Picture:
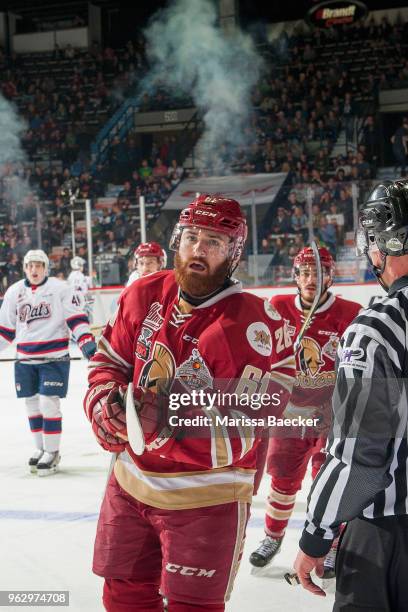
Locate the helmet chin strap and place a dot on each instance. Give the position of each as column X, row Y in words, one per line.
column 379, row 271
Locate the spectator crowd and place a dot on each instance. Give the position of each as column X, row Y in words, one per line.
column 317, row 86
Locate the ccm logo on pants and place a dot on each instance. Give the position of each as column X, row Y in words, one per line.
column 189, row 571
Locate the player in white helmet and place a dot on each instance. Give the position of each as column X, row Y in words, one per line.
column 80, row 282
column 39, row 312
column 77, row 277
column 149, row 257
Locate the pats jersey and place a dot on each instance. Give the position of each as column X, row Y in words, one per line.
column 40, row 318
column 79, row 281
column 315, row 358
column 156, row 339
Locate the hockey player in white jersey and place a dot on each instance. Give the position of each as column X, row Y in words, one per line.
column 149, row 257
column 39, row 312
column 80, row 282
column 77, row 279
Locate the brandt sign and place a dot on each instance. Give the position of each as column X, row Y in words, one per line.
column 336, row 12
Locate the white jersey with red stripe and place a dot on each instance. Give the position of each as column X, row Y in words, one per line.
column 227, row 343
column 40, row 318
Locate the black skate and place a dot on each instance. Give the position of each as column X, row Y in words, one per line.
column 48, row 463
column 266, row 552
column 34, row 459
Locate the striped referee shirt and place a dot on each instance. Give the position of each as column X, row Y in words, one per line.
column 365, row 472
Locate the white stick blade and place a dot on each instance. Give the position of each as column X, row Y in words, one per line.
column 134, row 428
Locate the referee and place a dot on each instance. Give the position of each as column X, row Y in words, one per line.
column 364, row 481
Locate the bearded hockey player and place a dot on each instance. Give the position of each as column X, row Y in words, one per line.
column 173, row 519
column 149, row 257
column 39, row 312
column 287, row 458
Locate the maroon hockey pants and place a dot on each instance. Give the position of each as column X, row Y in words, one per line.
column 190, row 556
column 287, row 462
column 132, row 596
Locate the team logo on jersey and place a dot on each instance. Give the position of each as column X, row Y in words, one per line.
column 259, row 338
column 194, row 373
column 310, row 357
column 28, row 313
column 143, row 344
column 330, row 348
column 352, row 358
column 271, row 311
column 158, row 373
column 154, row 320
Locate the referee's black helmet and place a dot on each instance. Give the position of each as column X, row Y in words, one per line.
column 383, row 221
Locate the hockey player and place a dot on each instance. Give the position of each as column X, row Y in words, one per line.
column 287, row 458
column 39, row 312
column 80, row 282
column 149, row 257
column 191, row 329
column 77, row 279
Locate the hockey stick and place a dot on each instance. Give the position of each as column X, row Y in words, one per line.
column 134, row 429
column 41, row 359
column 318, row 295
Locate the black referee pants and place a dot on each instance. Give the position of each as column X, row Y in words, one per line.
column 372, row 566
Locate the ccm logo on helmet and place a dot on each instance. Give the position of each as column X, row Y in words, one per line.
column 189, row 571
column 205, row 213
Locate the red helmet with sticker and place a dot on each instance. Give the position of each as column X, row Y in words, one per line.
column 306, row 257
column 151, row 249
column 217, row 213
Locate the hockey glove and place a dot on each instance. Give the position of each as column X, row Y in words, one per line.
column 114, row 412
column 108, row 441
column 88, row 348
column 147, row 405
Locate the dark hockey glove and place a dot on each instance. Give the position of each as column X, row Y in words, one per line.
column 147, row 405
column 114, row 412
column 88, row 348
column 108, row 441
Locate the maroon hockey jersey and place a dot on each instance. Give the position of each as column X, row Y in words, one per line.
column 227, row 343
column 315, row 359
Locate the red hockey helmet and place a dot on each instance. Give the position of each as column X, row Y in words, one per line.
column 151, row 249
column 306, row 257
column 220, row 214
